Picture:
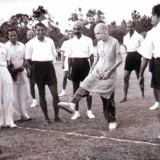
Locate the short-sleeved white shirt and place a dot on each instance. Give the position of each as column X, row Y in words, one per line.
column 134, row 42
column 151, row 45
column 16, row 53
column 4, row 56
column 37, row 50
column 80, row 48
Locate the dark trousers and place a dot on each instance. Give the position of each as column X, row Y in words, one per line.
column 43, row 102
column 80, row 70
column 88, row 98
column 32, row 89
column 108, row 104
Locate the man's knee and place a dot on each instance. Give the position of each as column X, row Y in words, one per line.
column 126, row 79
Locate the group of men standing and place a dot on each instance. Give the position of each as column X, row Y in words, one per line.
column 87, row 77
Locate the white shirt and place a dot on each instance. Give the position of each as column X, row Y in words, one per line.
column 80, row 48
column 16, row 53
column 65, row 45
column 41, row 50
column 151, row 45
column 4, row 57
column 134, row 42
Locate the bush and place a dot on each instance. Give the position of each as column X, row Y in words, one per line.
column 118, row 33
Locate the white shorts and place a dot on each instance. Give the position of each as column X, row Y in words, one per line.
column 66, row 64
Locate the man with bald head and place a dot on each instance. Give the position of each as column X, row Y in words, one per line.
column 102, row 77
column 79, row 53
column 30, row 34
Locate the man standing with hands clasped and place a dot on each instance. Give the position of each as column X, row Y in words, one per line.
column 102, row 77
column 16, row 51
column 65, row 61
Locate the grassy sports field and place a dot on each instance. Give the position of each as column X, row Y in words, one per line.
column 88, row 139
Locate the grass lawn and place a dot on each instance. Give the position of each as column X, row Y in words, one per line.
column 88, row 139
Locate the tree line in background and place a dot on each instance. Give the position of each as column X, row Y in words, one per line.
column 23, row 22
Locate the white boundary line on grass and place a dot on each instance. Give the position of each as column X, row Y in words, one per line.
column 89, row 136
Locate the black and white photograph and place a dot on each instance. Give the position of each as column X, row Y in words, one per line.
column 80, row 80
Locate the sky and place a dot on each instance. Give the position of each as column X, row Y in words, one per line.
column 115, row 10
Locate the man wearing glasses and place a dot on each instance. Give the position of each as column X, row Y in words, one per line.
column 80, row 52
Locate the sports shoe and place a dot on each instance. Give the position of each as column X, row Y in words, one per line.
column 90, row 114
column 69, row 107
column 155, row 106
column 13, row 125
column 63, row 93
column 27, row 119
column 76, row 115
column 112, row 126
column 34, row 103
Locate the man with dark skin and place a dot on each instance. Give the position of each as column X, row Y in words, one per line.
column 132, row 41
column 79, row 53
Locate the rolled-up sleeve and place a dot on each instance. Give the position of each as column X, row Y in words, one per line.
column 146, row 49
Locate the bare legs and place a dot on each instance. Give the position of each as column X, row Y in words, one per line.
column 126, row 84
column 43, row 102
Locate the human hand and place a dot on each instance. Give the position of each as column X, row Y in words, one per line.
column 20, row 69
column 69, row 76
column 105, row 75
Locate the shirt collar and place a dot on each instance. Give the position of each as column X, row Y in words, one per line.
column 45, row 40
column 79, row 38
column 17, row 43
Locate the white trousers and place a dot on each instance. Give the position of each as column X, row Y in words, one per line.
column 6, row 97
column 20, row 101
